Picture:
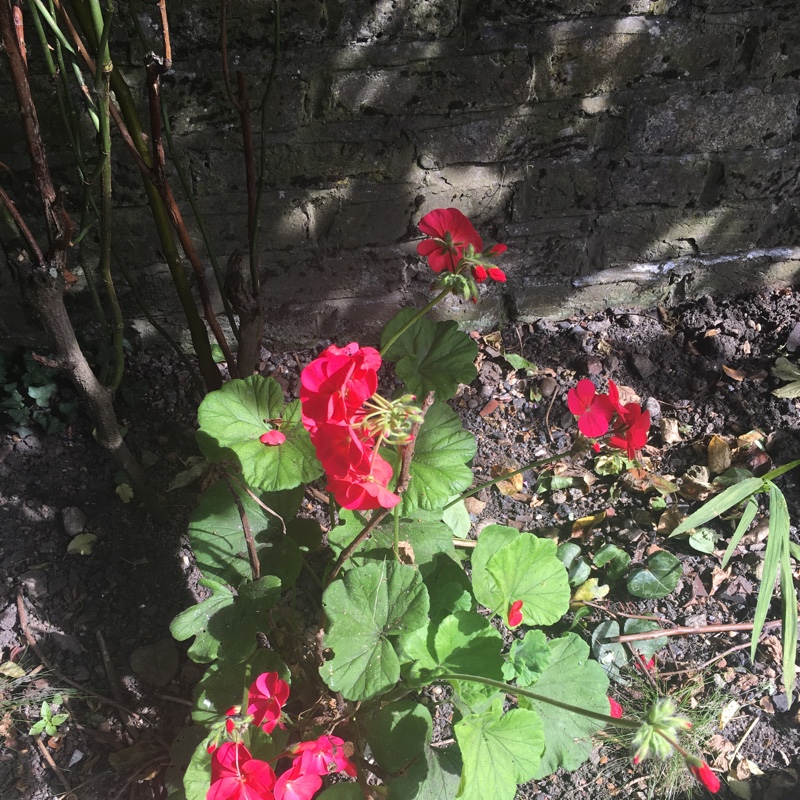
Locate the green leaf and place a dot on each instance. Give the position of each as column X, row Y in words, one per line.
column 438, row 469
column 183, row 746
column 748, row 515
column 527, row 659
column 578, row 569
column 366, row 607
column 456, row 517
column 430, row 356
column 434, row 775
column 499, row 752
column 449, row 588
column 427, row 536
column 398, row 733
column 646, row 647
column 341, row 791
column 234, row 417
column 789, row 618
column 518, row 362
column 197, row 779
column 215, row 532
column 776, row 538
column 523, row 567
column 657, row 578
column 572, row 678
column 38, row 727
column 719, row 504
column 614, row 559
column 610, row 655
column 466, row 643
column 226, row 626
column 778, row 471
column 704, row 540
column 42, row 394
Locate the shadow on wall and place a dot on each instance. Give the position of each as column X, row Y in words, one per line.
column 614, row 146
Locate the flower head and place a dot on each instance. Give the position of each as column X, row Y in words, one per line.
column 327, row 755
column 272, row 438
column 265, row 700
column 451, row 234
column 630, row 432
column 594, row 411
column 299, row 782
column 236, row 775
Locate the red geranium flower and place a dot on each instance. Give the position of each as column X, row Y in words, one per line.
column 515, row 614
column 594, row 411
column 451, row 233
column 342, row 448
column 630, row 433
column 236, row 775
column 326, row 756
column 298, row 782
column 266, row 698
column 706, row 776
column 616, row 708
column 364, row 491
column 336, row 384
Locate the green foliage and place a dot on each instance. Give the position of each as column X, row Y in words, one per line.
column 398, row 733
column 234, row 417
column 49, row 722
column 430, row 356
column 657, row 578
column 776, row 556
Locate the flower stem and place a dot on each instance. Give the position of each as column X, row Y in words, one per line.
column 505, row 476
column 396, row 513
column 520, row 692
column 418, row 316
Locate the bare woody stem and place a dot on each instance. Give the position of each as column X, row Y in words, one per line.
column 687, row 631
column 255, row 564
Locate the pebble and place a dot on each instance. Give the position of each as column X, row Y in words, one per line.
column 654, row 407
column 157, row 663
column 74, row 520
column 643, row 365
column 547, row 386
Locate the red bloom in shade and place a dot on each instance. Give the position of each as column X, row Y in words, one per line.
column 594, row 411
column 299, row 782
column 266, row 699
column 342, row 448
column 451, row 233
column 336, row 384
column 272, row 438
column 364, row 491
column 706, row 776
column 326, row 756
column 616, row 708
column 236, row 775
column 515, row 614
column 630, row 433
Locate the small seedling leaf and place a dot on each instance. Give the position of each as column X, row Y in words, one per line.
column 82, row 545
column 657, row 578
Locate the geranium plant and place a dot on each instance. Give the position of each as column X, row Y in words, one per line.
column 388, row 609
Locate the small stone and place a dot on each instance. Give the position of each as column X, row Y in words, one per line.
column 654, row 407
column 643, row 365
column 157, row 663
column 74, row 520
column 474, row 506
column 35, row 584
column 547, row 386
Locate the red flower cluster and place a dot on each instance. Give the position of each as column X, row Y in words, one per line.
column 597, row 413
column 236, row 775
column 333, row 390
column 454, row 243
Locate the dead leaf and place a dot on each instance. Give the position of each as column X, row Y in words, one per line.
column 512, row 485
column 628, row 395
column 405, row 553
column 773, row 647
column 728, row 712
column 734, row 374
column 669, row 430
column 718, row 577
column 474, row 506
column 587, row 523
column 766, row 704
column 589, row 590
column 719, row 455
column 721, row 748
column 711, row 332
column 695, row 484
column 669, row 520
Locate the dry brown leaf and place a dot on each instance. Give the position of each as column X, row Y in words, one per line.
column 510, row 486
column 718, row 577
column 734, row 374
column 719, row 455
column 722, row 749
column 669, row 520
column 774, row 647
column 767, row 705
column 579, row 526
column 628, row 395
column 474, row 506
column 669, row 430
column 729, row 711
column 711, row 332
column 746, row 348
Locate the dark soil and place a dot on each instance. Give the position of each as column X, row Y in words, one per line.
column 705, row 364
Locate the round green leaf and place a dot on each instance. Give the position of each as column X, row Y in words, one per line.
column 439, row 468
column 435, row 775
column 366, row 607
column 657, row 578
column 398, row 733
column 525, row 568
column 466, row 642
column 234, row 417
column 430, row 356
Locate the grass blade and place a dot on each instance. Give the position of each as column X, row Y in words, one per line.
column 772, row 474
column 788, row 594
column 744, row 523
column 778, row 516
column 719, row 504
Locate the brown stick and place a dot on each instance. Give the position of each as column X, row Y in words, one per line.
column 24, row 229
column 255, row 564
column 49, row 759
column 688, row 631
column 162, row 8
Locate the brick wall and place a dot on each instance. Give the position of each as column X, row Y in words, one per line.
column 626, row 152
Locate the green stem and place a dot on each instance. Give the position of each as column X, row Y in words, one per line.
column 505, row 476
column 396, row 513
column 418, row 316
column 520, row 692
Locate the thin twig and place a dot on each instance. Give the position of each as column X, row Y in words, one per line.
column 24, row 229
column 255, row 564
column 49, row 759
column 162, row 8
column 687, row 631
column 113, row 681
column 258, row 500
